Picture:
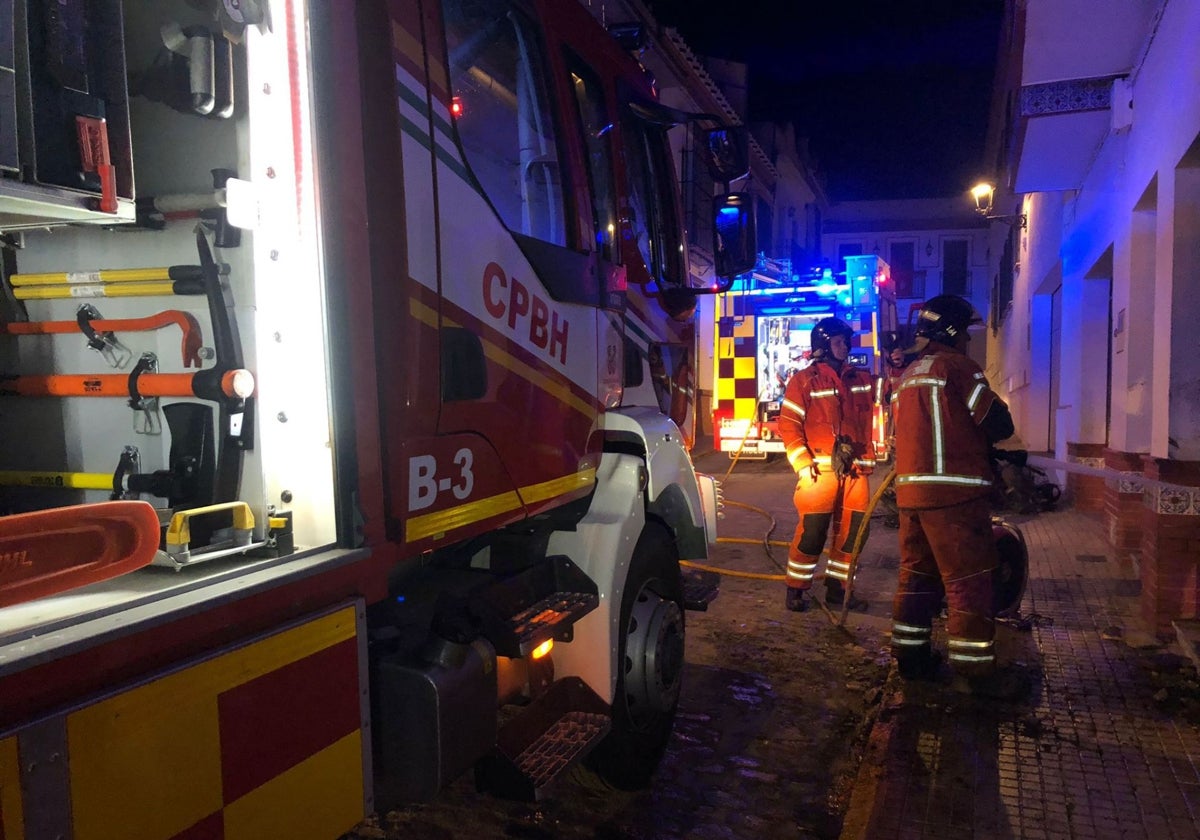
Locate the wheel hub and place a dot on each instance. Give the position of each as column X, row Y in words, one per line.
column 653, row 656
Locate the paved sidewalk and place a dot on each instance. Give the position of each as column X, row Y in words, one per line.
column 1106, row 746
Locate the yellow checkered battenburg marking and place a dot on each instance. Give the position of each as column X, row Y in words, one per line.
column 228, row 747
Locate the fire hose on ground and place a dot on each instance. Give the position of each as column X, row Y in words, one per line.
column 766, row 543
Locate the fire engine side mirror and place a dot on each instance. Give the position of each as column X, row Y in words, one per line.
column 726, row 153
column 735, row 234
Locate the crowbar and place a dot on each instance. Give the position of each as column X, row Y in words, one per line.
column 188, row 325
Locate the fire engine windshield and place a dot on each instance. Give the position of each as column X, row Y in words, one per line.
column 654, row 246
column 504, row 121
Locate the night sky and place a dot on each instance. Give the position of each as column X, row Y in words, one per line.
column 894, row 96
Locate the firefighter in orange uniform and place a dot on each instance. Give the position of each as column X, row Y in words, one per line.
column 825, row 423
column 946, row 419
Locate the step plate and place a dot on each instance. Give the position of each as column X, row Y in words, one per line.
column 539, row 621
column 567, row 739
column 700, row 588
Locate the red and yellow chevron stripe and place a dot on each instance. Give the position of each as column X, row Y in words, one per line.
column 261, row 740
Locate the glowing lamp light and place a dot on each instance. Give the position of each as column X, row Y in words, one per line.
column 982, row 193
column 456, row 107
column 542, row 649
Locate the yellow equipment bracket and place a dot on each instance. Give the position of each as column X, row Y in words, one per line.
column 179, row 531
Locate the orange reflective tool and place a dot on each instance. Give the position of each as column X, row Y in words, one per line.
column 47, row 552
column 213, row 384
column 188, row 325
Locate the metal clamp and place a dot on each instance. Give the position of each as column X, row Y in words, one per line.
column 147, row 422
column 105, row 343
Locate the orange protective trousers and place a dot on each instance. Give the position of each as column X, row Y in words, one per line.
column 948, row 551
column 820, row 504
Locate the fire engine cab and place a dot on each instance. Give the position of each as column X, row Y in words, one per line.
column 335, row 456
column 763, row 331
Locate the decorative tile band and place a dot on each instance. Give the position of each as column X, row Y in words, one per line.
column 1066, row 96
column 1129, row 483
column 1098, row 463
column 1172, row 499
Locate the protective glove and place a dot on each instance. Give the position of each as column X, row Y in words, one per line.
column 814, row 472
column 843, row 457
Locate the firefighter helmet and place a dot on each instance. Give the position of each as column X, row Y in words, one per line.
column 824, row 332
column 946, row 317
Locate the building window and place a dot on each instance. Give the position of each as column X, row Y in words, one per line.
column 956, row 272
column 1004, row 284
column 902, row 260
column 847, row 249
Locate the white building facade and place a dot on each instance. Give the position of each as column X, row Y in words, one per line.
column 1096, row 339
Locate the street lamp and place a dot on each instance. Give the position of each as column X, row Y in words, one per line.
column 983, row 193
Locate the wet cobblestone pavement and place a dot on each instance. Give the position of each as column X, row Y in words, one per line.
column 792, row 728
column 1105, row 746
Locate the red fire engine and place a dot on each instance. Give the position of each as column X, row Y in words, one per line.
column 763, row 326
column 338, row 340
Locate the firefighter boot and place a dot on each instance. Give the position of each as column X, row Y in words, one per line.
column 795, row 600
column 835, row 594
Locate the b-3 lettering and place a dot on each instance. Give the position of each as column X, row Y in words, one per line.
column 509, row 300
column 425, row 482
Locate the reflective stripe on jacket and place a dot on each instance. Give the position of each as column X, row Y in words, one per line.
column 818, row 405
column 941, row 451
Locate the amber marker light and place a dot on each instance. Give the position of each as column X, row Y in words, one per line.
column 238, row 383
column 542, row 649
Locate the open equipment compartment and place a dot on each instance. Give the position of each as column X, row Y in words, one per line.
column 211, row 274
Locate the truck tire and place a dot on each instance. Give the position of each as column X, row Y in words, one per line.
column 651, row 653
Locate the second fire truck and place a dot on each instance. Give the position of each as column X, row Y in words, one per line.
column 763, row 331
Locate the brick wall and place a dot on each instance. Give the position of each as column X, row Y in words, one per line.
column 1170, row 545
column 1086, row 492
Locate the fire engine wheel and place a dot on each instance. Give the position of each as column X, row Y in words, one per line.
column 651, row 658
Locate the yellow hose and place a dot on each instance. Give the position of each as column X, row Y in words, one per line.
column 730, row 572
column 767, row 543
column 858, row 540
